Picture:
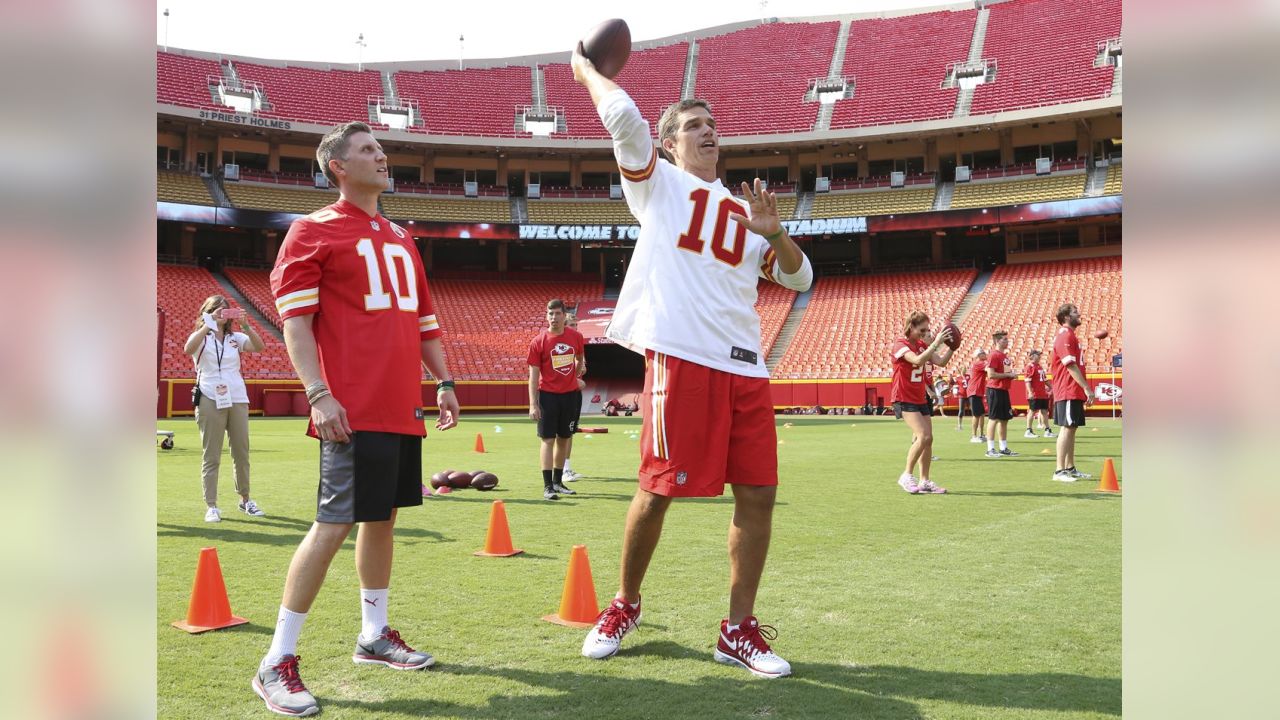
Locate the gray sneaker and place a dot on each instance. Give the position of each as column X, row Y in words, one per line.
column 388, row 649
column 282, row 690
column 549, row 493
column 562, row 490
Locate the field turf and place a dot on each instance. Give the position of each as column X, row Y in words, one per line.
column 998, row 600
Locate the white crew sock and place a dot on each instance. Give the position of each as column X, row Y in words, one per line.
column 991, row 444
column 566, row 464
column 1004, row 444
column 731, row 628
column 373, row 612
column 285, row 640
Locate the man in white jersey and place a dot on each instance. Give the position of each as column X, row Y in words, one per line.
column 688, row 304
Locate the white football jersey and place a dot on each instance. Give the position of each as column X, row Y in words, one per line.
column 690, row 290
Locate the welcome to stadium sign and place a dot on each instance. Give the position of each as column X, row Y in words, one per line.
column 795, row 228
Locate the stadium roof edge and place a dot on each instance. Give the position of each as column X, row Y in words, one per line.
column 563, row 56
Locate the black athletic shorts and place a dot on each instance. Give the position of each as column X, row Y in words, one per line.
column 1034, row 404
column 976, row 408
column 901, row 407
column 365, row 479
column 998, row 405
column 560, row 413
column 1068, row 413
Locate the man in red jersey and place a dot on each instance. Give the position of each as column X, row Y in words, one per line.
column 1070, row 392
column 999, row 408
column 977, row 390
column 359, row 326
column 910, row 358
column 556, row 362
column 1037, row 395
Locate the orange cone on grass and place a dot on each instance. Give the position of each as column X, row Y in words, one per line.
column 497, row 542
column 1107, row 483
column 209, row 608
column 479, row 443
column 578, row 605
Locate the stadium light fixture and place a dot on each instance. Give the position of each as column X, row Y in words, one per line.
column 361, row 44
column 166, row 29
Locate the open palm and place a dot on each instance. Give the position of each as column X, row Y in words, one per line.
column 764, row 210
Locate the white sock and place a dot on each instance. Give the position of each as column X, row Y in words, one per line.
column 566, row 464
column 285, row 640
column 1004, row 444
column 373, row 612
column 991, row 444
column 731, row 628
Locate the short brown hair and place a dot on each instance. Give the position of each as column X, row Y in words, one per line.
column 997, row 335
column 917, row 317
column 667, row 123
column 1063, row 311
column 334, row 145
column 555, row 304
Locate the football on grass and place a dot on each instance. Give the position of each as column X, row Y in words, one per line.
column 607, row 46
column 459, row 480
column 484, row 480
column 1101, row 334
column 954, row 342
column 440, row 479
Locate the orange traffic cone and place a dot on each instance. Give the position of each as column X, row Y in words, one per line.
column 578, row 606
column 209, row 608
column 1108, row 482
column 479, row 443
column 497, row 542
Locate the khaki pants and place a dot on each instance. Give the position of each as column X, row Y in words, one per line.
column 213, row 423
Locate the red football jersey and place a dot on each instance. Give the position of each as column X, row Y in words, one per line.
column 908, row 379
column 999, row 362
column 556, row 358
column 362, row 278
column 1035, row 374
column 1066, row 351
column 977, row 379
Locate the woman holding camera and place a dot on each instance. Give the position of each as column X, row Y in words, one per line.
column 220, row 398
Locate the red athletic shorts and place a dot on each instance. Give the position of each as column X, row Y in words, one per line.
column 703, row 428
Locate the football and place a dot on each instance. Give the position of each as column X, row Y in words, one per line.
column 484, row 480
column 440, row 479
column 459, row 480
column 443, row 490
column 607, row 46
column 954, row 342
column 1101, row 334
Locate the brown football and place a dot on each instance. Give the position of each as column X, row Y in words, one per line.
column 440, row 479
column 484, row 480
column 954, row 342
column 459, row 480
column 607, row 46
column 1101, row 334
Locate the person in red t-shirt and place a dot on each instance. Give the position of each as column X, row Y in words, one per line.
column 977, row 390
column 1037, row 395
column 1071, row 392
column 999, row 408
column 556, row 361
column 359, row 326
column 910, row 357
column 960, row 389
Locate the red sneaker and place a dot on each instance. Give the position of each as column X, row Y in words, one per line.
column 748, row 646
column 612, row 625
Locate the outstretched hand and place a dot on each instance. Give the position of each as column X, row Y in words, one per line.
column 764, row 210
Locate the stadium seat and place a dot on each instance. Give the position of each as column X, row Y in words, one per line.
column 179, row 187
column 1115, row 180
column 994, row 193
column 872, row 202
column 652, row 78
column 475, row 101
column 1045, row 51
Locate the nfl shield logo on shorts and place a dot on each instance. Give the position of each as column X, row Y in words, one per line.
column 682, row 477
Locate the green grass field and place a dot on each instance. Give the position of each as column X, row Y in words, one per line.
column 999, row 600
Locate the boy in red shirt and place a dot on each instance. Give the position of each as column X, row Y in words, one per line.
column 977, row 390
column 1037, row 395
column 999, row 408
column 556, row 361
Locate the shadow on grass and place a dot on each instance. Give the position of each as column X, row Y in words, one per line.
column 222, row 532
column 1022, row 493
column 815, row 690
